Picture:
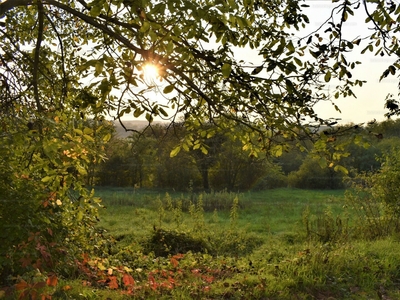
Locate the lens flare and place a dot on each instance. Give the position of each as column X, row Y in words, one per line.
column 150, row 73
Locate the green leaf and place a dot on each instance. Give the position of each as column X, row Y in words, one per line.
column 226, row 70
column 47, row 178
column 204, row 150
column 79, row 216
column 95, row 11
column 290, row 47
column 138, row 112
column 107, row 137
column 81, row 170
column 149, row 117
column 87, row 130
column 322, row 162
column 98, row 68
column 298, row 61
column 278, row 151
column 257, row 70
column 339, row 168
column 168, row 89
column 327, row 76
column 163, row 112
column 175, row 151
column 145, row 27
column 88, row 137
column 170, row 47
column 392, row 70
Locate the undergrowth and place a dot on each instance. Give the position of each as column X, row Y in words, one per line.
column 173, row 251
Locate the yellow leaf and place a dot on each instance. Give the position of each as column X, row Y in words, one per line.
column 175, row 151
column 88, row 137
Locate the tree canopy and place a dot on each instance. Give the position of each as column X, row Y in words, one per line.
column 77, row 54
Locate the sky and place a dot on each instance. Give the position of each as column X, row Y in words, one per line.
column 370, row 100
column 369, row 104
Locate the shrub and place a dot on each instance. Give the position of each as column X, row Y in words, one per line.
column 312, row 176
column 375, row 198
column 274, row 178
column 47, row 216
column 170, row 242
column 325, row 227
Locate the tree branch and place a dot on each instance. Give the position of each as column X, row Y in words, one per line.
column 10, row 4
column 37, row 55
column 92, row 21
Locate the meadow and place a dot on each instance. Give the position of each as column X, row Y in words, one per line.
column 274, row 244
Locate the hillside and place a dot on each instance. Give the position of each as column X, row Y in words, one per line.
column 130, row 125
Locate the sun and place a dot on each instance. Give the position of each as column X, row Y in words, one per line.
column 150, row 73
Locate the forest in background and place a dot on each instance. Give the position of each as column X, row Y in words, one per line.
column 143, row 160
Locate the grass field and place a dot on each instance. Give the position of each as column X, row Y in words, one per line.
column 266, row 213
column 275, row 244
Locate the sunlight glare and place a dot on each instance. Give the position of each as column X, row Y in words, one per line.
column 150, row 72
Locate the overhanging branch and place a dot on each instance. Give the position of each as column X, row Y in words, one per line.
column 37, row 55
column 10, row 4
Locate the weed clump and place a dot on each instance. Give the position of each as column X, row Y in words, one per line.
column 171, row 242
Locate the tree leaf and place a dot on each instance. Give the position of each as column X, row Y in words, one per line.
column 226, row 70
column 327, row 76
column 47, row 178
column 138, row 112
column 339, row 168
column 257, row 70
column 175, row 151
column 168, row 89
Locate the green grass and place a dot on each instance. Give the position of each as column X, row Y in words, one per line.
column 260, row 251
column 265, row 212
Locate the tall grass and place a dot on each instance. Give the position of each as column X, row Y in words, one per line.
column 275, row 244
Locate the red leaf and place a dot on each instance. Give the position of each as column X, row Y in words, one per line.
column 153, row 283
column 178, row 256
column 22, row 285
column 50, row 231
column 38, row 264
column 113, row 284
column 174, row 262
column 128, row 280
column 39, row 285
column 171, row 280
column 25, row 261
column 52, row 280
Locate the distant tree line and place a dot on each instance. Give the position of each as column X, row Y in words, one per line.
column 144, row 160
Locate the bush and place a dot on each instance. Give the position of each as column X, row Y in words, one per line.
column 171, row 242
column 47, row 216
column 375, row 198
column 312, row 176
column 273, row 179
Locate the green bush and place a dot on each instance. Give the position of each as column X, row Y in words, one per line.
column 47, row 216
column 274, row 178
column 312, row 176
column 325, row 227
column 375, row 198
column 171, row 242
